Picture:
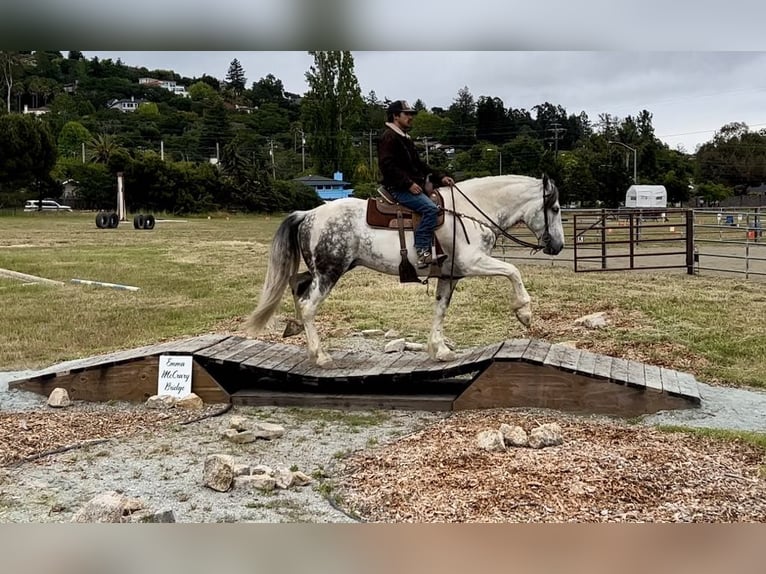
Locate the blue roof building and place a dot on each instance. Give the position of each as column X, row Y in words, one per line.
column 326, row 188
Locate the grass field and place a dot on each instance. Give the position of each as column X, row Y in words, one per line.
column 204, row 275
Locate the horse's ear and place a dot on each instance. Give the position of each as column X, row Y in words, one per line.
column 545, row 181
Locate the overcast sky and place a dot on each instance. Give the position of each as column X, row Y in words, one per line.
column 690, row 94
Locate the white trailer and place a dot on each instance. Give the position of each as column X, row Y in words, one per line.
column 646, row 196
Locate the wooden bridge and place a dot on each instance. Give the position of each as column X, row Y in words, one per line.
column 514, row 373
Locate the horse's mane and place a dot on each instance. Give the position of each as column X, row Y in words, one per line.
column 551, row 192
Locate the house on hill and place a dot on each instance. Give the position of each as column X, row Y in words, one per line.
column 124, row 105
column 326, row 188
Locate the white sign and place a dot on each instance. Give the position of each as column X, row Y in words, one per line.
column 175, row 375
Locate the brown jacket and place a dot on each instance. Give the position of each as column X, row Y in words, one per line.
column 399, row 162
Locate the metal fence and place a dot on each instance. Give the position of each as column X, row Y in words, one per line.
column 699, row 241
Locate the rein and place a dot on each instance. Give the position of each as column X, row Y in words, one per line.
column 534, row 247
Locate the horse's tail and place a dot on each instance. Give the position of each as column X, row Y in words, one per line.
column 284, row 259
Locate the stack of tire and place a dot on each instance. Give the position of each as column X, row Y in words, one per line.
column 141, row 221
column 107, row 220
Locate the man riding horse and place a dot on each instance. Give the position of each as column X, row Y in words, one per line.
column 404, row 176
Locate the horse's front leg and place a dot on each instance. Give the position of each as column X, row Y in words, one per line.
column 437, row 348
column 520, row 302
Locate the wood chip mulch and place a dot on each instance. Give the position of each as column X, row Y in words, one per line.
column 605, row 471
column 31, row 434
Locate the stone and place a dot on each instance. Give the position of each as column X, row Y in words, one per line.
column 490, row 440
column 256, row 482
column 395, row 346
column 514, row 435
column 593, row 321
column 372, row 333
column 238, row 423
column 268, row 430
column 105, row 507
column 414, row 346
column 237, row 437
column 191, row 402
column 59, row 398
column 300, row 478
column 160, row 402
column 545, row 435
column 218, row 473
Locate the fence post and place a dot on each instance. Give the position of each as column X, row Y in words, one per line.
column 603, row 238
column 690, row 242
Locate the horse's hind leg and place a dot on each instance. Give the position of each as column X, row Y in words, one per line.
column 437, row 348
column 307, row 305
column 299, row 283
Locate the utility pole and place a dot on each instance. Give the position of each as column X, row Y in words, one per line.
column 635, row 152
column 271, row 153
column 83, row 152
column 556, row 129
column 303, row 150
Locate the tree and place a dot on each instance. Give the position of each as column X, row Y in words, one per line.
column 235, row 78
column 10, row 64
column 102, row 146
column 27, row 150
column 71, row 138
column 462, row 112
column 332, row 110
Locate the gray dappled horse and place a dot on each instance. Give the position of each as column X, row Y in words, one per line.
column 334, row 238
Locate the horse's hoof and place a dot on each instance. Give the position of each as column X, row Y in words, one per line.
column 292, row 327
column 524, row 315
column 325, row 362
column 445, row 355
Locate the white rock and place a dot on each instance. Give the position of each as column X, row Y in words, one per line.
column 284, row 478
column 105, row 507
column 237, row 437
column 300, row 478
column 514, row 435
column 218, row 473
column 262, row 469
column 268, row 430
column 545, row 435
column 395, row 346
column 255, row 481
column 238, row 423
column 59, row 398
column 414, row 346
column 593, row 321
column 191, row 402
column 491, row 440
column 391, row 334
column 160, row 402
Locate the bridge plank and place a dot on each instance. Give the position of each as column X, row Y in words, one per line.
column 669, row 379
column 512, row 349
column 556, row 354
column 619, row 370
column 243, row 350
column 602, row 367
column 196, row 344
column 536, row 351
column 653, row 378
column 688, row 385
column 636, row 376
column 586, row 362
column 221, row 347
column 570, row 359
column 266, row 357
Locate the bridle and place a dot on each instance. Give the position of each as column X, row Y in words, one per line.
column 542, row 241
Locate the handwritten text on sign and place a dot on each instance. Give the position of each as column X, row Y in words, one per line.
column 175, row 375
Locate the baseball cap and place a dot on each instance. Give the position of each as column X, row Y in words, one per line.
column 400, row 106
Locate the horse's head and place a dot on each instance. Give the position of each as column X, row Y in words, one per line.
column 544, row 218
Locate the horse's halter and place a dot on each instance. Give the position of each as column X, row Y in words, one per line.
column 544, row 238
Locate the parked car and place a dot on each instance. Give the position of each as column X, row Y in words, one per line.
column 47, row 205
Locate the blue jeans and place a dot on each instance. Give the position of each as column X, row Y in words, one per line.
column 423, row 205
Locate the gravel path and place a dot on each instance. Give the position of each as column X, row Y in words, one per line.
column 164, row 469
